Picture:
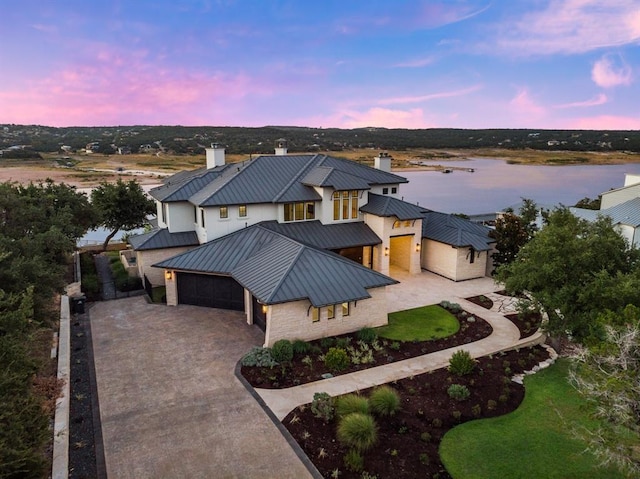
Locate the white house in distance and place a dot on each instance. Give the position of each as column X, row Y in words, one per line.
column 622, row 205
column 303, row 244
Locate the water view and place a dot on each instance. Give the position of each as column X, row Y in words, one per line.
column 495, row 185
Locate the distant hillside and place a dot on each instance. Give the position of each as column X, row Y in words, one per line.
column 193, row 140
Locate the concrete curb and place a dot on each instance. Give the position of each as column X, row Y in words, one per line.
column 60, row 466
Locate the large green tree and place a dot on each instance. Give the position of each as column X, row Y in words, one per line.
column 512, row 231
column 121, row 206
column 572, row 269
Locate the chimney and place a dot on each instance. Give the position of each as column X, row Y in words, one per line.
column 382, row 162
column 215, row 156
column 281, row 147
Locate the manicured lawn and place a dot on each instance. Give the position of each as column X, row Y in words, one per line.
column 533, row 441
column 420, row 324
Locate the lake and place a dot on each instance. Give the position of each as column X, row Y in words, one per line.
column 495, row 185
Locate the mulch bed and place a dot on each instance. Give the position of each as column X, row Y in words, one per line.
column 481, row 300
column 297, row 373
column 82, row 450
column 408, row 442
column 528, row 323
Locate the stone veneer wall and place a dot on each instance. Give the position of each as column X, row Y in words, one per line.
column 147, row 258
column 466, row 269
column 293, row 320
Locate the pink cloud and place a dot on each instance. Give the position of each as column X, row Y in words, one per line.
column 610, row 71
column 523, row 104
column 601, row 99
column 417, row 63
column 433, row 96
column 374, row 117
column 605, row 122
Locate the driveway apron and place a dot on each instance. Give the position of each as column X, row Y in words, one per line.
column 170, row 404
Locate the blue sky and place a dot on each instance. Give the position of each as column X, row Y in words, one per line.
column 397, row 64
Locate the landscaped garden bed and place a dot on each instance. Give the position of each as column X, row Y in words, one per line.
column 527, row 322
column 406, row 443
column 367, row 348
column 481, row 300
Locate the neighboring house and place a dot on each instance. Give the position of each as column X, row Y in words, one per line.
column 303, row 244
column 622, row 205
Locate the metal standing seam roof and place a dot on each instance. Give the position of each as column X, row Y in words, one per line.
column 161, row 238
column 627, row 213
column 338, row 180
column 455, row 231
column 334, row 236
column 386, row 206
column 279, row 269
column 181, row 186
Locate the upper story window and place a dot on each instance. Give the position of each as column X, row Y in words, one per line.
column 224, row 212
column 195, row 214
column 394, row 190
column 385, row 191
column 345, row 205
column 299, row 211
column 202, row 217
column 242, row 211
column 164, row 213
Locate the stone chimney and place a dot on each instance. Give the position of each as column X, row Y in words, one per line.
column 281, row 147
column 383, row 162
column 215, row 156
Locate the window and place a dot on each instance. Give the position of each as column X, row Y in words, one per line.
column 345, row 205
column 299, row 211
column 331, row 311
column 195, row 214
column 224, row 212
column 202, row 217
column 345, row 309
column 385, row 191
column 472, row 256
column 242, row 211
column 315, row 315
column 394, row 190
column 164, row 213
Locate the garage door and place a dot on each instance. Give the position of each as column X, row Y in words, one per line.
column 210, row 291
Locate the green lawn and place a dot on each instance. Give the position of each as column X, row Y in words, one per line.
column 420, row 324
column 535, row 441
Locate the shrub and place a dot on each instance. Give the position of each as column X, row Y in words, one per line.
column 300, row 347
column 424, row 459
column 456, row 415
column 384, row 401
column 491, row 404
column 342, row 342
column 323, row 407
column 336, row 359
column 353, row 461
column 395, row 345
column 350, row 403
column 461, row 363
column 459, row 392
column 358, row 430
column 259, row 357
column 282, row 351
column 437, row 422
column 476, row 410
column 90, row 283
column 368, row 335
column 326, row 343
column 425, row 437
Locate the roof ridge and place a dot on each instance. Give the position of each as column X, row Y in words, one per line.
column 295, row 178
column 292, row 262
column 224, row 181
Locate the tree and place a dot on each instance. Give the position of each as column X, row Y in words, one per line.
column 512, row 231
column 589, row 204
column 608, row 375
column 571, row 269
column 121, row 206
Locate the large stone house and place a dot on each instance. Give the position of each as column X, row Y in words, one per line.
column 304, row 244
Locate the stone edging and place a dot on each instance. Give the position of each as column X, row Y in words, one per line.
column 519, row 378
column 60, row 465
column 283, row 430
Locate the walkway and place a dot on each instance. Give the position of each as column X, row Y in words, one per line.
column 107, row 284
column 413, row 292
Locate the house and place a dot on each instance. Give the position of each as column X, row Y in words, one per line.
column 622, row 205
column 303, row 244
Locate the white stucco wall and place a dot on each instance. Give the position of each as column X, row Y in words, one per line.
column 631, row 179
column 293, row 320
column 216, row 227
column 180, row 217
column 453, row 263
column 629, row 233
column 386, row 228
column 616, row 197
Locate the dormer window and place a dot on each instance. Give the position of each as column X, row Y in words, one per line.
column 299, row 211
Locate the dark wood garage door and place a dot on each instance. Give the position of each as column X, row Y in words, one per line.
column 212, row 291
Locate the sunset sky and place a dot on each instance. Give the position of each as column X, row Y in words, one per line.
column 570, row 64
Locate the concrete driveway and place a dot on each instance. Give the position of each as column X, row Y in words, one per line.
column 170, row 404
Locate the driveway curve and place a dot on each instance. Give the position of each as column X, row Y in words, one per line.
column 170, row 404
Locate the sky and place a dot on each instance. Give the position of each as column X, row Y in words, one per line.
column 547, row 64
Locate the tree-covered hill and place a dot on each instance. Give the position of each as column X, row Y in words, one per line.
column 193, row 139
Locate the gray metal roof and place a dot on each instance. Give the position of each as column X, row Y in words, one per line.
column 455, row 231
column 627, row 213
column 334, row 236
column 385, row 206
column 279, row 269
column 326, row 176
column 161, row 238
column 181, row 186
column 281, row 179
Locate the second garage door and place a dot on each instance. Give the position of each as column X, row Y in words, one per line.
column 221, row 292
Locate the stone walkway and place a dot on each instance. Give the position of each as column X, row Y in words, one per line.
column 107, row 285
column 505, row 336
